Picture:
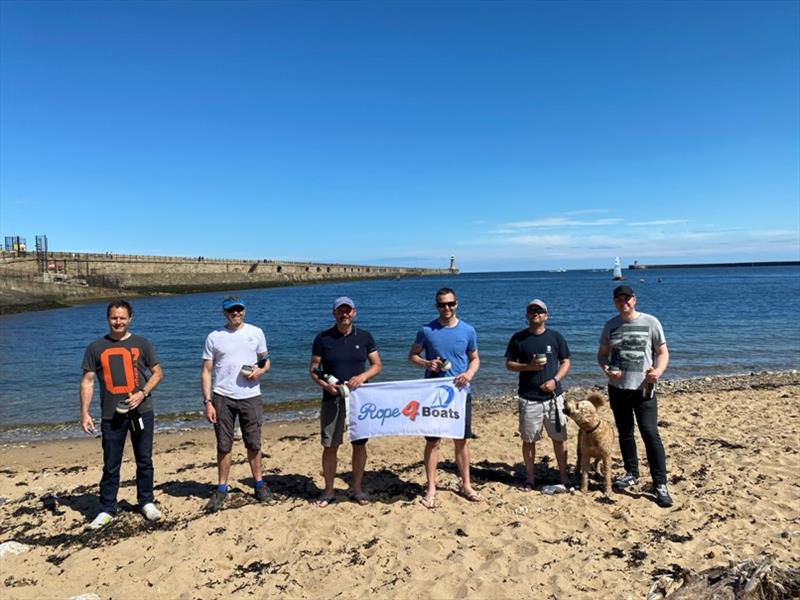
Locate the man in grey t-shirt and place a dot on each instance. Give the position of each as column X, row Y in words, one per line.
column 120, row 361
column 633, row 355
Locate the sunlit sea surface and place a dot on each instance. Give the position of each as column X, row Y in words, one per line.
column 717, row 321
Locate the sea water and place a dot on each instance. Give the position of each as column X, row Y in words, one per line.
column 717, row 321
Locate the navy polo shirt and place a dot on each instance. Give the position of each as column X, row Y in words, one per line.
column 343, row 356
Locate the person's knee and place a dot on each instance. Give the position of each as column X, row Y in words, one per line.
column 432, row 444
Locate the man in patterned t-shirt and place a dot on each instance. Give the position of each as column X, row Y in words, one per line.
column 633, row 355
column 121, row 361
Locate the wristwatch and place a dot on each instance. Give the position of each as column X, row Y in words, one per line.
column 556, row 379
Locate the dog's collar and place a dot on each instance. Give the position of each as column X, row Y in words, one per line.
column 593, row 429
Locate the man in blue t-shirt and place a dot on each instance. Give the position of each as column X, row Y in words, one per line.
column 541, row 357
column 448, row 340
column 342, row 351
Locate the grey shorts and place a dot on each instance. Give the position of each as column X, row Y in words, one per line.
column 249, row 411
column 331, row 421
column 536, row 416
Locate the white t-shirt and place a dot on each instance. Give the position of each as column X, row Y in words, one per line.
column 229, row 351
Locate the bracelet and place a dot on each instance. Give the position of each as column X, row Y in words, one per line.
column 556, row 379
column 206, row 401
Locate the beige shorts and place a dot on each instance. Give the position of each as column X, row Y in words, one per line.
column 536, row 416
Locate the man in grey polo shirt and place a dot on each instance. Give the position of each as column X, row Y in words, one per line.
column 234, row 359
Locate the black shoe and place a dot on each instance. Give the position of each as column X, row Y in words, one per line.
column 216, row 501
column 263, row 494
column 663, row 498
column 624, row 482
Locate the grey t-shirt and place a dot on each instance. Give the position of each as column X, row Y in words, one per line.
column 121, row 367
column 631, row 347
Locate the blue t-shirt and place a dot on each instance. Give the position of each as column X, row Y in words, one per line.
column 450, row 343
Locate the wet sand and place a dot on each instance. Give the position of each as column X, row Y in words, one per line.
column 733, row 457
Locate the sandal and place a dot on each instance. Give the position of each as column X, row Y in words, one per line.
column 428, row 502
column 472, row 496
column 324, row 501
column 362, row 498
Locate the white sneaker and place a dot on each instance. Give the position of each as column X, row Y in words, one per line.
column 101, row 520
column 558, row 488
column 150, row 512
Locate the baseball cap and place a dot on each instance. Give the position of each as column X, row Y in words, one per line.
column 231, row 302
column 341, row 301
column 539, row 303
column 623, row 289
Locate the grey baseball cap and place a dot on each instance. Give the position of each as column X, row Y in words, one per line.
column 539, row 303
column 341, row 301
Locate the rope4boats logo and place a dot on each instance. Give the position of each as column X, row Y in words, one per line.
column 439, row 408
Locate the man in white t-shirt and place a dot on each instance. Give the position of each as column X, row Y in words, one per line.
column 234, row 359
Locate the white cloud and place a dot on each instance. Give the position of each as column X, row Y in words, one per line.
column 560, row 222
column 663, row 222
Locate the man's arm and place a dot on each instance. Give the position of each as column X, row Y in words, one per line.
column 156, row 375
column 205, row 387
column 602, row 358
column 87, row 391
column 519, row 367
column 258, row 372
column 415, row 358
column 316, row 363
column 563, row 369
column 473, row 364
column 660, row 363
column 376, row 366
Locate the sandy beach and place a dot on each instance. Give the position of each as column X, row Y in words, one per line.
column 734, row 468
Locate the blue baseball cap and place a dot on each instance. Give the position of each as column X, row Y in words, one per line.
column 231, row 302
column 341, row 301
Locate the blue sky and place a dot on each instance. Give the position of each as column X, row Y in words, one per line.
column 513, row 135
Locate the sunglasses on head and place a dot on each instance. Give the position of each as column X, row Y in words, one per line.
column 446, row 304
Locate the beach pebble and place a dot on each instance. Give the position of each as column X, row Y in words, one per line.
column 86, row 597
column 10, row 548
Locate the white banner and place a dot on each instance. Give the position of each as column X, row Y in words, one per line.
column 432, row 407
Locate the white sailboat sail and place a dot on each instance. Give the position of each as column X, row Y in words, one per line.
column 617, row 270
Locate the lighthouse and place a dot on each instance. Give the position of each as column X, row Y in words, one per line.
column 453, row 267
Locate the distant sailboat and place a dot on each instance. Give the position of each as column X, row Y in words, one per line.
column 617, row 270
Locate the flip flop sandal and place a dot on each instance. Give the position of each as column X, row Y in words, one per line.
column 471, row 496
column 428, row 502
column 362, row 498
column 323, row 501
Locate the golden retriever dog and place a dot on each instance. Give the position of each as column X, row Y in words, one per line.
column 595, row 437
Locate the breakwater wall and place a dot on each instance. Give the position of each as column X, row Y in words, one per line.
column 66, row 277
column 773, row 263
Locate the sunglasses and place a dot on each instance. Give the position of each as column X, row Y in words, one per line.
column 536, row 311
column 446, row 304
column 234, row 309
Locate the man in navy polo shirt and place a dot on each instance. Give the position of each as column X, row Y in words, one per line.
column 342, row 351
column 541, row 357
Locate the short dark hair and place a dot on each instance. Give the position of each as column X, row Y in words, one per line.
column 119, row 304
column 444, row 291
